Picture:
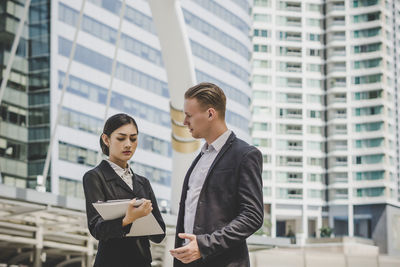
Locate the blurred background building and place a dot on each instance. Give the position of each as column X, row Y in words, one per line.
column 221, row 50
column 314, row 84
column 325, row 83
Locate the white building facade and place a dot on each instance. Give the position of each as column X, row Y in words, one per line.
column 325, row 114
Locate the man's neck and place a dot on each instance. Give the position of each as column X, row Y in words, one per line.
column 215, row 133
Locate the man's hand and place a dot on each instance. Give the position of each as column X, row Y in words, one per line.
column 188, row 253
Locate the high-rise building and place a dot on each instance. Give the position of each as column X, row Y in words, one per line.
column 325, row 82
column 220, row 45
column 24, row 121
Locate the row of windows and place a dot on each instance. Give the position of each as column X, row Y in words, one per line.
column 368, row 63
column 216, row 34
column 13, row 114
column 131, row 14
column 297, row 129
column 120, row 102
column 219, row 61
column 12, row 149
column 70, row 188
column 76, row 154
column 373, row 142
column 370, row 175
column 131, row 106
column 370, row 192
column 368, row 48
column 136, row 47
column 367, row 17
column 102, row 63
column 225, row 15
column 367, row 32
column 370, row 159
column 298, row 145
column 146, row 23
column 108, row 34
column 368, row 95
column 364, row 3
column 366, row 79
column 369, row 127
column 368, row 111
column 81, row 121
column 297, row 161
column 156, row 175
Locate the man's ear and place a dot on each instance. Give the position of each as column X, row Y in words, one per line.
column 211, row 113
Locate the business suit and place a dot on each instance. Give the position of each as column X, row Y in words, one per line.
column 102, row 183
column 229, row 208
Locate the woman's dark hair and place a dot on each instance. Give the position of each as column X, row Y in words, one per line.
column 113, row 123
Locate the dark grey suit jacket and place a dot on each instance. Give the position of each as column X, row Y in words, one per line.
column 103, row 183
column 230, row 206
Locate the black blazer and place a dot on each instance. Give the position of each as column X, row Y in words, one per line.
column 230, row 206
column 114, row 249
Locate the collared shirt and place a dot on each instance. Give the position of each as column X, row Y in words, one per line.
column 125, row 174
column 198, row 176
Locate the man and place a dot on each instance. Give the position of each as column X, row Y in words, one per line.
column 221, row 203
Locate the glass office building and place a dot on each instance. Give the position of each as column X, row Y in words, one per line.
column 221, row 50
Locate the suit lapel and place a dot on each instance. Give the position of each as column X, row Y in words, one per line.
column 111, row 175
column 219, row 156
column 137, row 185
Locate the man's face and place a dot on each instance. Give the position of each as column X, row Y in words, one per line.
column 196, row 118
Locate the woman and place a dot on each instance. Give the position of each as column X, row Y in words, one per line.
column 113, row 179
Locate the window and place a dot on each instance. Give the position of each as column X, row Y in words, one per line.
column 260, row 48
column 370, row 192
column 262, row 18
column 261, row 64
column 374, row 78
column 368, row 95
column 364, row 3
column 260, row 33
column 369, row 127
column 70, row 188
column 261, row 79
column 260, row 126
column 373, row 142
column 367, row 48
column 366, row 64
column 370, row 159
column 370, row 175
column 367, row 33
column 367, row 111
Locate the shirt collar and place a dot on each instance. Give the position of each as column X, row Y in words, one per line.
column 218, row 143
column 120, row 171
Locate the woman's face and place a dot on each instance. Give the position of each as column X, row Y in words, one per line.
column 122, row 144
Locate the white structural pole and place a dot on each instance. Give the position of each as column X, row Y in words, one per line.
column 6, row 74
column 178, row 62
column 114, row 66
column 65, row 83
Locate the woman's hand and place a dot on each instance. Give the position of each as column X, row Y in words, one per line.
column 133, row 213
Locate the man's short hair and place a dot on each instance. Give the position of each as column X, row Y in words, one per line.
column 208, row 95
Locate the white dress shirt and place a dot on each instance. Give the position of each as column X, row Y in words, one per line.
column 197, row 178
column 125, row 174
